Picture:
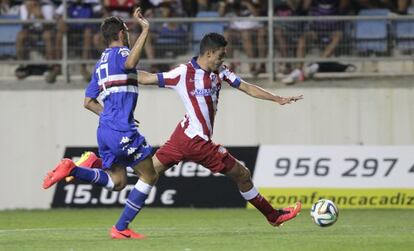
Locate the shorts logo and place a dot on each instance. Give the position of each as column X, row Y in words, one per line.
column 131, row 150
column 137, row 156
column 125, row 140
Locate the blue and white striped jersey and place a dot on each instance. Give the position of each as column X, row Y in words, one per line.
column 117, row 87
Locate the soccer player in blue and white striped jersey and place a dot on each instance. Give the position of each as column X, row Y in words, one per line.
column 120, row 143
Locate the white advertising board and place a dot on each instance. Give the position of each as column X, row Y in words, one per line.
column 354, row 176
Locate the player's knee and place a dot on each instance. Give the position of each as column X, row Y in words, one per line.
column 159, row 169
column 158, row 166
column 120, row 184
column 154, row 177
column 239, row 173
column 245, row 174
column 150, row 177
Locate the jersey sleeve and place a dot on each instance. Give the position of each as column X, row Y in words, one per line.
column 92, row 91
column 229, row 76
column 171, row 78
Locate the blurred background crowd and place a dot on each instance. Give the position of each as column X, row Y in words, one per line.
column 45, row 27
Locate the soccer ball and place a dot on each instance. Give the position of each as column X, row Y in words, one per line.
column 324, row 213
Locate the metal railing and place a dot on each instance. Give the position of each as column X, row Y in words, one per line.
column 349, row 48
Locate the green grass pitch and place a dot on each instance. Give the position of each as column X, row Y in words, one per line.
column 204, row 229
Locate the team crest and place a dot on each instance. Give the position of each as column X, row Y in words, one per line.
column 124, row 52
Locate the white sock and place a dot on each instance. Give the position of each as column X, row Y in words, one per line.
column 250, row 194
column 143, row 187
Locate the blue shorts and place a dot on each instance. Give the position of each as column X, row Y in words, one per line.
column 126, row 148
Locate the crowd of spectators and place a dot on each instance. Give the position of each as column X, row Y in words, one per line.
column 167, row 39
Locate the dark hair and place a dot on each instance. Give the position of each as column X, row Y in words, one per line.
column 110, row 28
column 212, row 41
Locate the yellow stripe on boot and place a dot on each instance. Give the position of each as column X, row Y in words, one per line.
column 83, row 162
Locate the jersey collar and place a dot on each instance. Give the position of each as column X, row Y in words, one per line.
column 196, row 65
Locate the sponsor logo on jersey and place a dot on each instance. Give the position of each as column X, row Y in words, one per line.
column 205, row 92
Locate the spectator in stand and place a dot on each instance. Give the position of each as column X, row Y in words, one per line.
column 119, row 8
column 77, row 32
column 244, row 31
column 206, row 5
column 399, row 6
column 124, row 9
column 328, row 33
column 172, row 36
column 287, row 33
column 177, row 5
column 35, row 31
column 8, row 8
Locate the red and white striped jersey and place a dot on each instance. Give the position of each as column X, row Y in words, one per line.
column 199, row 91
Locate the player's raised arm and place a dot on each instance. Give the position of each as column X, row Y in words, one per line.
column 260, row 93
column 168, row 79
column 135, row 54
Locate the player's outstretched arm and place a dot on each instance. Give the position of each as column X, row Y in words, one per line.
column 146, row 78
column 93, row 105
column 135, row 54
column 260, row 93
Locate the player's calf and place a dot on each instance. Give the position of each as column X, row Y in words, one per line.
column 68, row 168
column 87, row 160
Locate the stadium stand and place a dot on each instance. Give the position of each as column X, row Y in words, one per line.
column 8, row 36
column 404, row 33
column 389, row 40
column 372, row 35
column 199, row 29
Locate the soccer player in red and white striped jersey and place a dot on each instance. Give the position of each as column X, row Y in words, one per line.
column 198, row 83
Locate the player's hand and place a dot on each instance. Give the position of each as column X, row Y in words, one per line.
column 288, row 100
column 141, row 20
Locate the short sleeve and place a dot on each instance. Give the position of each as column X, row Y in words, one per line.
column 171, row 78
column 92, row 91
column 229, row 76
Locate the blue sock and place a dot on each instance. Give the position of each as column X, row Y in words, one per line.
column 93, row 175
column 133, row 205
